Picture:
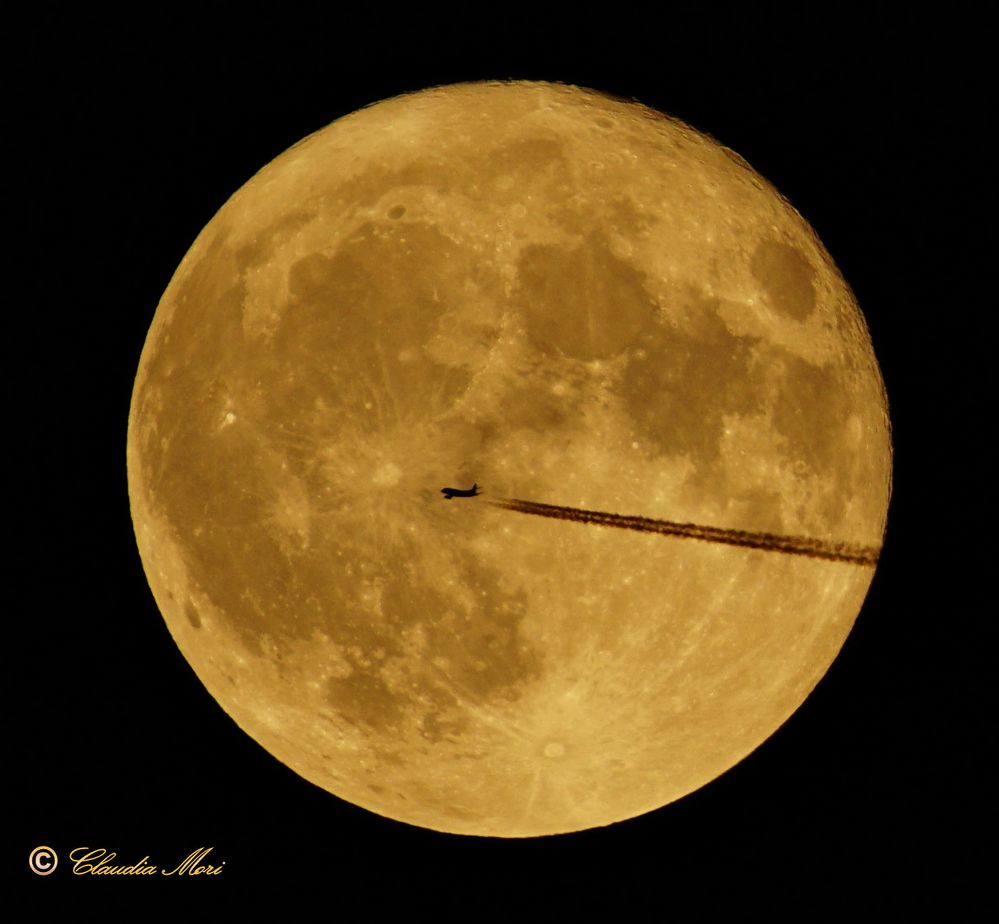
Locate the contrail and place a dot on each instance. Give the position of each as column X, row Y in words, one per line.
column 768, row 542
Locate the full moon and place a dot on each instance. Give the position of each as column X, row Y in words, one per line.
column 565, row 299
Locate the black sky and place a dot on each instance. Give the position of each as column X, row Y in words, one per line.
column 870, row 129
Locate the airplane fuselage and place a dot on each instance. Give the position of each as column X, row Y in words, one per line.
column 448, row 493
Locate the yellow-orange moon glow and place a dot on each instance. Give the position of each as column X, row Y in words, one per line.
column 565, row 298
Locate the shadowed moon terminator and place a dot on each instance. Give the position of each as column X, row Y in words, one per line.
column 768, row 542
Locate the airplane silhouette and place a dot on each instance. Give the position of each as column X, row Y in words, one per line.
column 448, row 493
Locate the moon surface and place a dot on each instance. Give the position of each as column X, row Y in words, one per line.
column 566, row 298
